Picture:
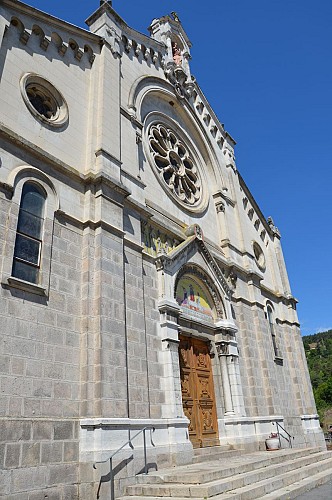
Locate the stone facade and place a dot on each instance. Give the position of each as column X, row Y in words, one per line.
column 143, row 203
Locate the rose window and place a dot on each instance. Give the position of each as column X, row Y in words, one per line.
column 175, row 165
column 42, row 100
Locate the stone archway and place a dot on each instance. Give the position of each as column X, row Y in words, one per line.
column 193, row 294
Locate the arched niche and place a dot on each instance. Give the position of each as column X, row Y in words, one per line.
column 150, row 95
column 197, row 296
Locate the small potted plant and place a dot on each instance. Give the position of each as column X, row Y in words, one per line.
column 272, row 442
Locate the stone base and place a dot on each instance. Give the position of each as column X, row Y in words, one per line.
column 167, row 445
column 250, row 432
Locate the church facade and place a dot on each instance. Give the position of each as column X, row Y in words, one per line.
column 141, row 285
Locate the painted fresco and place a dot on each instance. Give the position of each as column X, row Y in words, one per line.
column 154, row 241
column 193, row 299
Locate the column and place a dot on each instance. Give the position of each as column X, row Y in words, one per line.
column 222, row 349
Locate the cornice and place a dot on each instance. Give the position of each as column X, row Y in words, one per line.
column 61, row 215
column 163, row 219
column 87, row 178
column 255, row 205
column 52, row 20
column 106, row 8
column 165, row 260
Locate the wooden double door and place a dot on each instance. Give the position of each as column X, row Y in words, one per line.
column 198, row 397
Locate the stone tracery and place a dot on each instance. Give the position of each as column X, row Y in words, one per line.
column 175, row 165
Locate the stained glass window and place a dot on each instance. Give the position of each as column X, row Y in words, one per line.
column 272, row 331
column 28, row 241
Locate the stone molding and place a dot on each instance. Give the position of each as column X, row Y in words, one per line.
column 48, row 38
column 253, row 210
column 132, row 422
column 87, row 178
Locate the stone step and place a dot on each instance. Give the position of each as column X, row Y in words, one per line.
column 256, row 480
column 262, row 490
column 269, row 487
column 207, row 450
column 299, row 487
column 215, row 488
column 217, row 455
column 223, row 467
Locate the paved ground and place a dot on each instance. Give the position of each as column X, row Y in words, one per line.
column 323, row 492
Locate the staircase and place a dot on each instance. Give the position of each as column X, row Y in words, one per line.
column 223, row 475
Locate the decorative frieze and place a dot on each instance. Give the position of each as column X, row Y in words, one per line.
column 140, row 50
column 47, row 40
column 156, row 242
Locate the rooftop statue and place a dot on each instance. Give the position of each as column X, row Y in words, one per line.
column 175, row 16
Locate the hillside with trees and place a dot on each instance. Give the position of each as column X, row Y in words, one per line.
column 318, row 349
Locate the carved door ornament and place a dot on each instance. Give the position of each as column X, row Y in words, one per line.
column 198, row 392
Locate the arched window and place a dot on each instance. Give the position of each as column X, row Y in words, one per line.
column 28, row 243
column 270, row 319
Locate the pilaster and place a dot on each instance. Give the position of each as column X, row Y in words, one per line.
column 105, row 130
column 169, row 311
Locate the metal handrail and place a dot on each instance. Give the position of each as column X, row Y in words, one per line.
column 289, row 439
column 119, row 449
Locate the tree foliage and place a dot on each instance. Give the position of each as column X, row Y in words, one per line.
column 318, row 349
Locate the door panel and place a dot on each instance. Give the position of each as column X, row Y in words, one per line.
column 197, row 392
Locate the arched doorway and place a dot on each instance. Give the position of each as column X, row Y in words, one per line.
column 198, row 397
column 197, row 385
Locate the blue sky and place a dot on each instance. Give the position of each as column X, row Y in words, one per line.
column 266, row 69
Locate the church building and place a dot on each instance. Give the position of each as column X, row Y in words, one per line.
column 141, row 285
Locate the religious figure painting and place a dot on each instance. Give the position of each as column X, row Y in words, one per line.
column 193, row 299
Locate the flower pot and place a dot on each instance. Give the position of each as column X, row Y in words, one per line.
column 272, row 444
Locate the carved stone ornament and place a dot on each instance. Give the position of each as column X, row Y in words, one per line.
column 173, row 162
column 273, row 228
column 229, row 157
column 220, row 206
column 183, row 86
column 223, row 348
column 196, row 230
column 156, row 242
column 114, row 41
column 231, row 278
column 175, row 16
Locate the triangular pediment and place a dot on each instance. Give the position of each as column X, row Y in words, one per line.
column 184, row 254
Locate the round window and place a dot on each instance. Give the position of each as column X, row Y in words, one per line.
column 175, row 166
column 259, row 256
column 43, row 100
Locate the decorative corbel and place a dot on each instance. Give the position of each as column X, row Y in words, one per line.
column 222, row 348
column 44, row 43
column 161, row 260
column 220, row 206
column 114, row 41
column 273, row 228
column 24, row 37
column 62, row 49
column 138, row 137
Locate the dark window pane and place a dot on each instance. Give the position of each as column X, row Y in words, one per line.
column 33, row 200
column 25, row 272
column 27, row 249
column 29, row 224
column 29, row 228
